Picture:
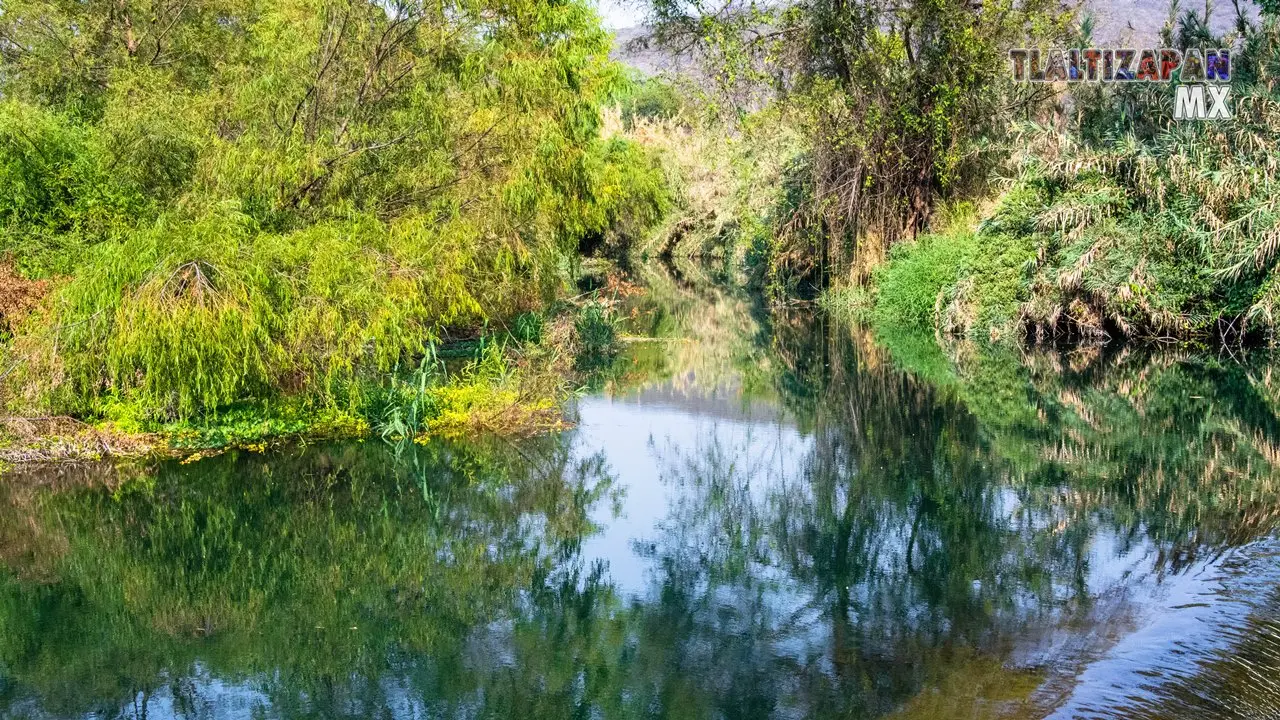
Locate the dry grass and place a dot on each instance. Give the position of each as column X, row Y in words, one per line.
column 59, row 438
column 18, row 296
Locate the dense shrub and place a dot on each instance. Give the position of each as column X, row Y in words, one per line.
column 650, row 98
column 1147, row 227
column 250, row 199
column 962, row 281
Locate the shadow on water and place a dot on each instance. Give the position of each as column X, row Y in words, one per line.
column 760, row 515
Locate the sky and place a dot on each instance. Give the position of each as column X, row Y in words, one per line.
column 620, row 13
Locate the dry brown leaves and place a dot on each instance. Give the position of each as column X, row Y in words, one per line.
column 18, row 295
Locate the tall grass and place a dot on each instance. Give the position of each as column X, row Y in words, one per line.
column 1152, row 229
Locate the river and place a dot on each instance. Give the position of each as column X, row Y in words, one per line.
column 755, row 515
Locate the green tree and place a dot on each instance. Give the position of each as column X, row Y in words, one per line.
column 253, row 198
column 903, row 103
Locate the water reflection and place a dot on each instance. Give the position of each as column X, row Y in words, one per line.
column 761, row 515
column 330, row 582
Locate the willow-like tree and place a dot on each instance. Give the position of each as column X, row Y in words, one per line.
column 255, row 197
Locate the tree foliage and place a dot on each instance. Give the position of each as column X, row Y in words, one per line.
column 254, row 197
column 903, row 104
column 1124, row 221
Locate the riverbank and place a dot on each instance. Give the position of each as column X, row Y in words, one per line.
column 1167, row 237
column 510, row 382
column 1069, row 212
column 192, row 306
column 272, row 225
column 514, row 381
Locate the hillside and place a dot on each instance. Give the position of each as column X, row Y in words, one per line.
column 1123, row 22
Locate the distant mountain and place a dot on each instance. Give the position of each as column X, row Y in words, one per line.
column 632, row 46
column 1138, row 22
column 1134, row 23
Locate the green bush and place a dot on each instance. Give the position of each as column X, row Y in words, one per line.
column 916, row 274
column 597, row 336
column 61, row 192
column 965, row 281
column 650, row 98
column 188, row 316
column 291, row 198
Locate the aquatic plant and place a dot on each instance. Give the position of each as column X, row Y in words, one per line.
column 494, row 391
column 596, row 332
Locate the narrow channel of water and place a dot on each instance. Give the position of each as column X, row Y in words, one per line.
column 755, row 516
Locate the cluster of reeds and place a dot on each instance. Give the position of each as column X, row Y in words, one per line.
column 1171, row 236
column 1120, row 222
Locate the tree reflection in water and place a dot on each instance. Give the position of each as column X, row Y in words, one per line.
column 902, row 532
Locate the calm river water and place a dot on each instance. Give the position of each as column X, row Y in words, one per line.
column 755, row 516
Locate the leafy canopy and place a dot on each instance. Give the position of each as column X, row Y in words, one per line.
column 254, row 197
